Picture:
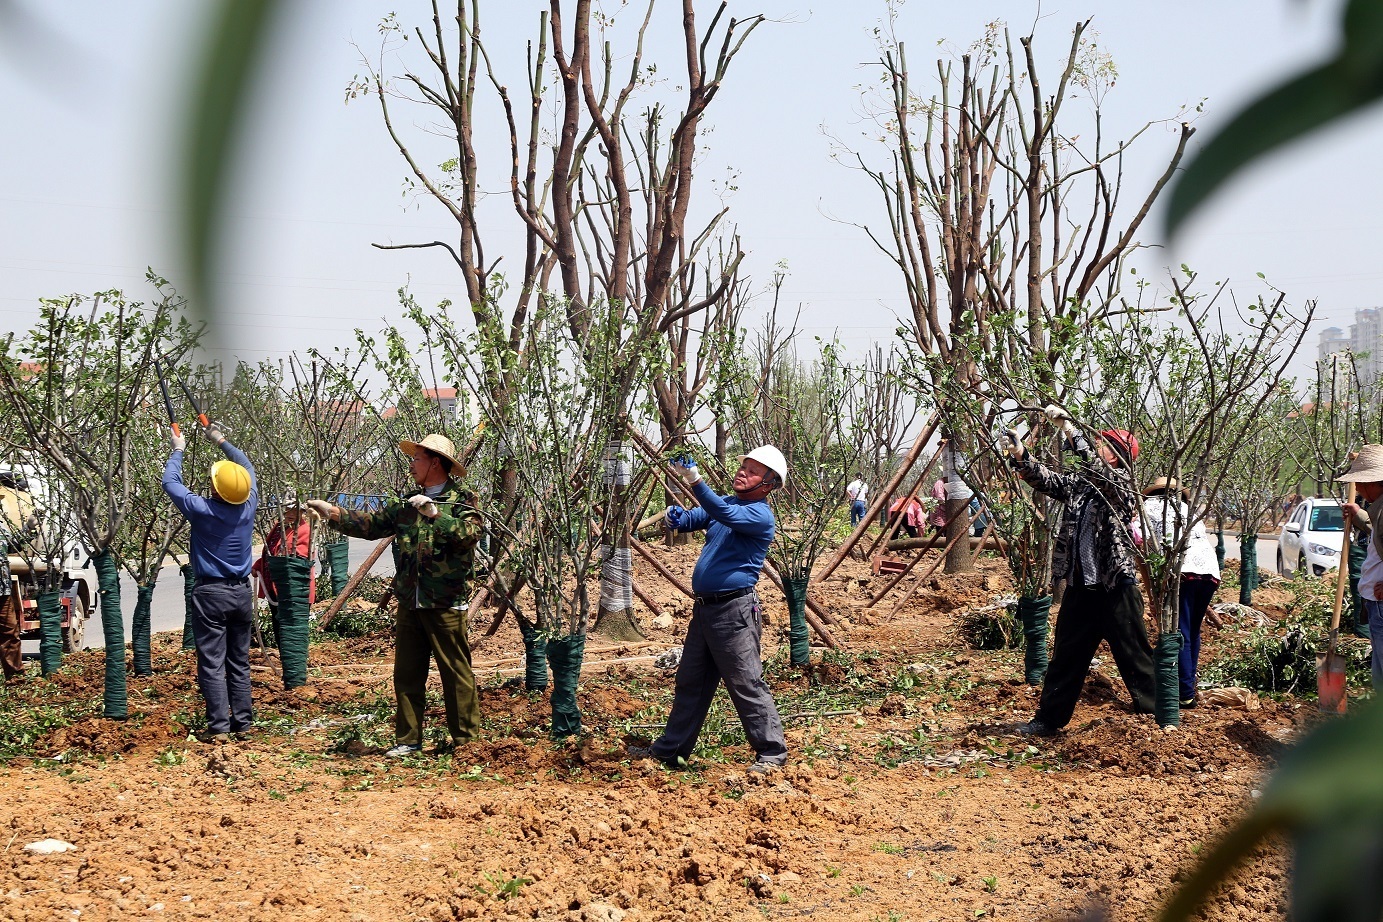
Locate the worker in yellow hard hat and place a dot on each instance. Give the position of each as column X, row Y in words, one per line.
column 222, row 607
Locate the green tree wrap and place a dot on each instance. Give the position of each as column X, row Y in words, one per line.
column 1360, row 618
column 336, row 555
column 799, row 641
column 291, row 576
column 1248, row 568
column 564, row 655
column 1033, row 614
column 116, row 706
column 1167, row 705
column 140, row 630
column 189, row 579
column 1220, row 548
column 50, row 630
column 534, row 658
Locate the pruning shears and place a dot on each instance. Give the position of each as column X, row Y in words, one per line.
column 192, row 399
column 167, row 401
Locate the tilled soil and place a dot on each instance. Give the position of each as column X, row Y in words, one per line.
column 907, row 797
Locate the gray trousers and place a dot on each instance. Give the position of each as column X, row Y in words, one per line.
column 222, row 614
column 723, row 645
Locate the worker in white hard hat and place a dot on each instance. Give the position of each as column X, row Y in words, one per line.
column 722, row 643
column 222, row 607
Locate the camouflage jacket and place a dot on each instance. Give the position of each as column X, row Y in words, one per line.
column 434, row 557
column 1100, row 502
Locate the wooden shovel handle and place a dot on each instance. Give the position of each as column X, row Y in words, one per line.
column 1342, row 577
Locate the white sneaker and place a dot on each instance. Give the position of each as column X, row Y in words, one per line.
column 403, row 749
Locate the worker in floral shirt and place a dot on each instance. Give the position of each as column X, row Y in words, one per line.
column 1094, row 554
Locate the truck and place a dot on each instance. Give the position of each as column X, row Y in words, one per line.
column 20, row 488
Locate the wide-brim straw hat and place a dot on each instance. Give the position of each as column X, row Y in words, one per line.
column 290, row 499
column 1166, row 485
column 439, row 445
column 1367, row 466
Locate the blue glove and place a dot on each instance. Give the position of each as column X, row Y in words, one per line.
column 675, row 517
column 685, row 468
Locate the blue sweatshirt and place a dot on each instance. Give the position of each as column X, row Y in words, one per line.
column 222, row 533
column 737, row 538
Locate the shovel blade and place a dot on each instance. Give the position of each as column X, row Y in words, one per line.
column 1330, row 683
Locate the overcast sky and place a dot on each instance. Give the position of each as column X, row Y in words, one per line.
column 90, row 97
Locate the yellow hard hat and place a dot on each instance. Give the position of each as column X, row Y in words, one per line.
column 230, row 481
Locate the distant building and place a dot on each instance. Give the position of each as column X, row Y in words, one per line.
column 1362, row 347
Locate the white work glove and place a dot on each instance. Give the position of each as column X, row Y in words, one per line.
column 213, row 434
column 320, row 508
column 1061, row 419
column 178, row 442
column 1013, row 444
column 685, row 468
column 424, row 504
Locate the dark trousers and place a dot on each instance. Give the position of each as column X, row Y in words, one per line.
column 11, row 658
column 1195, row 598
column 222, row 614
column 1090, row 614
column 723, row 645
column 422, row 634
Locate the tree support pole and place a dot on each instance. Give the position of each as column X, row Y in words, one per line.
column 880, row 500
column 892, row 531
column 912, row 590
column 356, row 578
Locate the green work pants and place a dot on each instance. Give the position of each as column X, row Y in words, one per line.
column 422, row 634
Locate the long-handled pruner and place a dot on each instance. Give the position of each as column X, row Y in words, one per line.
column 167, row 401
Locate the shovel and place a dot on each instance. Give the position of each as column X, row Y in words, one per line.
column 1330, row 666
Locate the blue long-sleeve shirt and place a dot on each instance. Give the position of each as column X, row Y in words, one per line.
column 737, row 538
column 222, row 533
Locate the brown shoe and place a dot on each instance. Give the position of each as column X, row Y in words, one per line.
column 214, row 739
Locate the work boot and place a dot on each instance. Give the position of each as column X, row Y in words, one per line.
column 761, row 767
column 646, row 752
column 213, row 739
column 1035, row 727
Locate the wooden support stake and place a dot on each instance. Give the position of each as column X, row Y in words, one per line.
column 912, row 590
column 880, row 500
column 657, row 565
column 354, row 582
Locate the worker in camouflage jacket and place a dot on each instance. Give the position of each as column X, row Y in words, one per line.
column 1094, row 554
column 435, row 531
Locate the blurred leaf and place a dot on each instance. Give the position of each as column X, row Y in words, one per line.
column 237, row 31
column 1350, row 81
column 1327, row 794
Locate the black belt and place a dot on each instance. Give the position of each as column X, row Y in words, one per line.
column 715, row 598
column 204, row 580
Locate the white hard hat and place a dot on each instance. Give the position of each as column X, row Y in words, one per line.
column 770, row 458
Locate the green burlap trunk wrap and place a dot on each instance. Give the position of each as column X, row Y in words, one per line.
column 1033, row 614
column 1167, row 705
column 1360, row 619
column 534, row 658
column 1220, row 549
column 799, row 641
column 189, row 579
column 140, row 630
column 116, row 707
column 50, row 631
column 337, row 557
column 1248, row 568
column 564, row 655
column 291, row 576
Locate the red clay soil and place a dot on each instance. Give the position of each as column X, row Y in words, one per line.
column 907, row 795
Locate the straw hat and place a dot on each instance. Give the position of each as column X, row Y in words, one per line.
column 1367, row 466
column 439, row 445
column 1166, row 485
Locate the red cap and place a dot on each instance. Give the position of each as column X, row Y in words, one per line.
column 1124, row 440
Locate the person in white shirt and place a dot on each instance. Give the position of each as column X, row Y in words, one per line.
column 858, row 494
column 1200, row 574
column 1366, row 472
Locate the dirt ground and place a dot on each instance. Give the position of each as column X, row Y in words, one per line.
column 906, row 797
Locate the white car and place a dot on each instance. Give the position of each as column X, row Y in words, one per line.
column 1312, row 537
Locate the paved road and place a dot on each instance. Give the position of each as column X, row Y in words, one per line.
column 168, row 606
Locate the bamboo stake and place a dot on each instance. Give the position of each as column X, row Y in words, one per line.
column 912, row 590
column 892, row 531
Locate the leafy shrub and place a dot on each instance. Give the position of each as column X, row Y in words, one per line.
column 991, row 628
column 1281, row 656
